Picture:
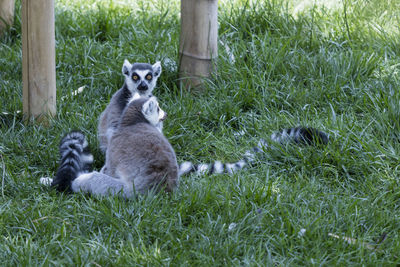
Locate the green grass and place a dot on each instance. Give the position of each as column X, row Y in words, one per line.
column 335, row 68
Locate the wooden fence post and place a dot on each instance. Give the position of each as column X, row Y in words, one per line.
column 198, row 41
column 38, row 59
column 6, row 14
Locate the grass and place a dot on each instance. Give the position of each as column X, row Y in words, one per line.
column 280, row 64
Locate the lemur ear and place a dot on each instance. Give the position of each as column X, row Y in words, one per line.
column 157, row 69
column 126, row 67
column 135, row 96
column 149, row 106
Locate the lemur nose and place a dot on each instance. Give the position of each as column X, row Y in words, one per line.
column 164, row 117
column 142, row 86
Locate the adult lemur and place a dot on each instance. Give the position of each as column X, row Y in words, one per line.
column 138, row 158
column 140, row 78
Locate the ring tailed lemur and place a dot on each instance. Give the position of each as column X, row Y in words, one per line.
column 75, row 159
column 138, row 158
column 298, row 135
column 140, row 78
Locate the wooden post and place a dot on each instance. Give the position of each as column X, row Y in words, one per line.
column 198, row 41
column 38, row 59
column 6, row 14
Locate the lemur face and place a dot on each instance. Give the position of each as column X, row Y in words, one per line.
column 150, row 109
column 141, row 77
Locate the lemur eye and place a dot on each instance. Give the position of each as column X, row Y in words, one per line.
column 148, row 77
column 135, row 77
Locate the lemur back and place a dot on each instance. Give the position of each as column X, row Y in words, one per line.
column 140, row 78
column 138, row 158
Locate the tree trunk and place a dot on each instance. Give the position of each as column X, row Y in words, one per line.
column 6, row 14
column 198, row 40
column 38, row 59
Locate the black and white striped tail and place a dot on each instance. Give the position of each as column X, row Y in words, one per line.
column 298, row 135
column 219, row 167
column 75, row 159
column 301, row 135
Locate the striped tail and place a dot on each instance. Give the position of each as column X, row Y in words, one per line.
column 219, row 167
column 75, row 159
column 301, row 135
column 298, row 135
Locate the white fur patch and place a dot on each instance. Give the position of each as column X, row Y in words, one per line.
column 230, row 168
column 79, row 183
column 185, row 167
column 142, row 74
column 285, row 136
column 126, row 66
column 46, row 181
column 297, row 135
column 240, row 164
column 84, row 176
column 202, row 168
column 218, row 167
column 87, row 158
column 275, row 137
column 157, row 69
column 129, row 83
column 161, row 114
column 233, row 167
column 73, row 151
column 85, row 143
column 150, row 111
column 293, row 132
column 249, row 155
column 135, row 96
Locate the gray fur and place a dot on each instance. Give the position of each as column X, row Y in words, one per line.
column 101, row 184
column 139, row 158
column 109, row 118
